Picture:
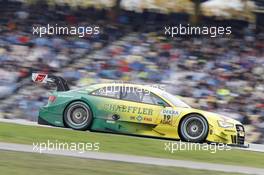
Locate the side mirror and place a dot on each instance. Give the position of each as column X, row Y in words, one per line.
column 162, row 104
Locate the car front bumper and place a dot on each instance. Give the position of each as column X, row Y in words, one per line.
column 234, row 136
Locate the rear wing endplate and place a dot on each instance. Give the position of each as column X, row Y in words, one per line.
column 60, row 83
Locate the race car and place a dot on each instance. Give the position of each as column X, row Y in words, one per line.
column 135, row 110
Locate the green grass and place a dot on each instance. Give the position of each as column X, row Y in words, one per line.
column 33, row 163
column 125, row 144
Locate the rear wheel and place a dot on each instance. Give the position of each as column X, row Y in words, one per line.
column 78, row 116
column 194, row 128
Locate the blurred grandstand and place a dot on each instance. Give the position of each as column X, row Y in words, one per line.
column 225, row 74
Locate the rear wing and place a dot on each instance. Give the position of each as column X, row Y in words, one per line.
column 60, row 83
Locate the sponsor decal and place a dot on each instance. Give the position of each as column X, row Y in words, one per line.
column 41, row 78
column 110, row 121
column 170, row 112
column 228, row 130
column 132, row 118
column 149, row 119
column 139, row 118
column 57, row 122
column 128, row 109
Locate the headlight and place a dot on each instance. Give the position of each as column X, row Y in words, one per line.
column 224, row 124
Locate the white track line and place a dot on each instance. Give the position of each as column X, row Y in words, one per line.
column 20, row 122
column 254, row 147
column 138, row 159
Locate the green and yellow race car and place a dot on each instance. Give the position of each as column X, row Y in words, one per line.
column 135, row 110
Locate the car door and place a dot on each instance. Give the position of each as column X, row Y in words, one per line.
column 158, row 118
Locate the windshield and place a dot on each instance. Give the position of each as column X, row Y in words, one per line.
column 174, row 100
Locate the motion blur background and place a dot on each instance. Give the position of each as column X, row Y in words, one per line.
column 223, row 74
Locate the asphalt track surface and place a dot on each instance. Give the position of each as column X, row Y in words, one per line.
column 135, row 159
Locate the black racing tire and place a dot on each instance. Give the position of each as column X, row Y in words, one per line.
column 194, row 128
column 78, row 116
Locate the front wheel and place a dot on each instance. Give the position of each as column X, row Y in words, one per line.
column 78, row 116
column 194, row 128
